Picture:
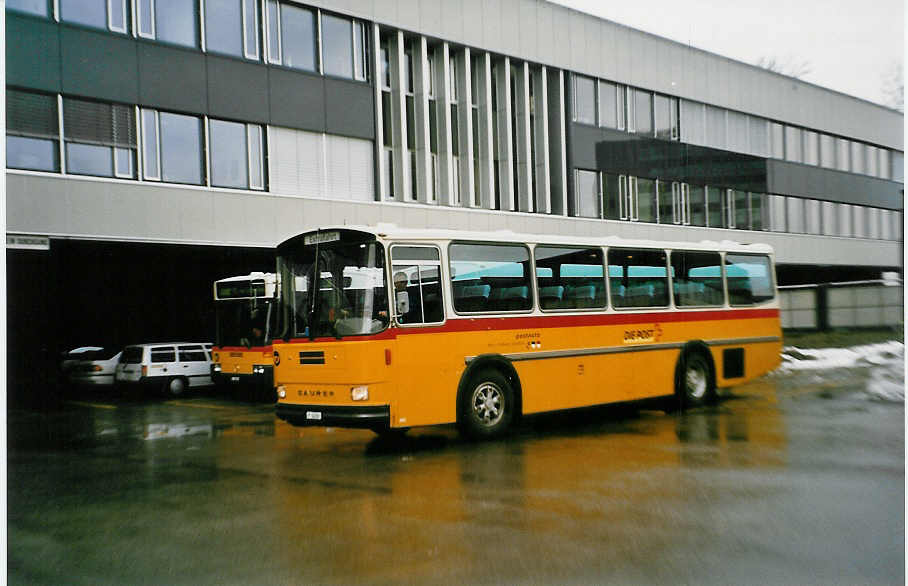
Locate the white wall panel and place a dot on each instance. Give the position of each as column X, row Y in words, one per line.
column 430, row 17
column 528, row 35
column 510, row 27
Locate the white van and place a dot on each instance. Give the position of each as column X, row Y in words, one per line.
column 169, row 366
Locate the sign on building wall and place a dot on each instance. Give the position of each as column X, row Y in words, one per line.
column 23, row 242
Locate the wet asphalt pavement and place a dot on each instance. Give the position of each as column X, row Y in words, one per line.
column 792, row 479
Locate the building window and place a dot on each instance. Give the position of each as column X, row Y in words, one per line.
column 759, row 136
column 32, row 131
column 897, row 165
column 777, row 140
column 586, row 194
column 231, row 27
column 608, row 105
column 646, row 200
column 170, row 21
column 738, row 132
column 843, row 154
column 104, row 14
column 34, row 7
column 337, row 46
column 715, row 207
column 827, row 151
column 795, row 214
column 291, row 36
column 758, row 212
column 100, row 138
column 614, row 196
column 811, row 148
column 697, row 205
column 812, row 217
column 172, row 147
column 846, row 221
column 643, row 107
column 777, row 209
column 885, row 171
column 793, row 144
column 666, row 115
column 715, row 128
column 236, row 154
column 665, row 202
column 584, row 100
column 857, row 157
column 871, row 159
column 741, row 210
column 829, row 217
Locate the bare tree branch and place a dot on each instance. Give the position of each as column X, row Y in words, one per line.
column 788, row 66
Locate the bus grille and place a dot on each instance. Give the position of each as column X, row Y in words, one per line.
column 312, row 357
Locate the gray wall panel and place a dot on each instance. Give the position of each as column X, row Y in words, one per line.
column 349, row 108
column 408, row 14
column 727, row 83
column 527, row 31
column 296, row 100
column 172, row 78
column 237, row 89
column 545, row 40
column 40, row 204
column 430, row 18
column 32, row 53
column 829, row 185
column 510, row 28
column 469, row 11
column 99, row 65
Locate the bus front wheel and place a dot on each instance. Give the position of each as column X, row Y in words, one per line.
column 695, row 383
column 486, row 405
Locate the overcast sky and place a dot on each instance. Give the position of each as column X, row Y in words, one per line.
column 850, row 45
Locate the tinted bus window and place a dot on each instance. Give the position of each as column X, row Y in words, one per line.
column 490, row 277
column 749, row 279
column 697, row 278
column 570, row 278
column 415, row 274
column 638, row 278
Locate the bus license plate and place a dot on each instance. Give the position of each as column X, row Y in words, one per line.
column 314, row 415
column 235, row 379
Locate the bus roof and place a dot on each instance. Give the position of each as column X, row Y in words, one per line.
column 395, row 233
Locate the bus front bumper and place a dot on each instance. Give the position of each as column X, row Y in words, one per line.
column 357, row 416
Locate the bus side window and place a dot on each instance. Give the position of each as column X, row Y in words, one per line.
column 642, row 276
column 416, row 278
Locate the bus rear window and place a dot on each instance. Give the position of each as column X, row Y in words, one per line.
column 749, row 279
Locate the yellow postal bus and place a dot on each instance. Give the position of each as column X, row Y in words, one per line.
column 242, row 353
column 409, row 328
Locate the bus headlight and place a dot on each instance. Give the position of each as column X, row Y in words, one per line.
column 216, row 367
column 258, row 369
column 282, row 392
column 359, row 393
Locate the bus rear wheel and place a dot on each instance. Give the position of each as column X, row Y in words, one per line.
column 695, row 384
column 486, row 406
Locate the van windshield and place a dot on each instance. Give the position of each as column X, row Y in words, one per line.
column 351, row 298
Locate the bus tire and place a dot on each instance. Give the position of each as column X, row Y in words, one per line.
column 695, row 383
column 175, row 386
column 486, row 405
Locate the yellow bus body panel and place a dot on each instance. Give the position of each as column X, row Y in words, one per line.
column 616, row 362
column 242, row 361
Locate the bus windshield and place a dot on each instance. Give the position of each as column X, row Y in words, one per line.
column 352, row 297
column 243, row 322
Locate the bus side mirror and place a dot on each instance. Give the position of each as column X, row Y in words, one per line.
column 402, row 299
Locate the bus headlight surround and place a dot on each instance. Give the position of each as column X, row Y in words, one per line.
column 359, row 393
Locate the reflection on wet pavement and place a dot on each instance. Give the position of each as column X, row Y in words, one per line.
column 786, row 480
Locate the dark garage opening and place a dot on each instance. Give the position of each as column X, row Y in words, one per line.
column 92, row 293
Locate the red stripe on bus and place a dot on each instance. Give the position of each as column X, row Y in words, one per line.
column 478, row 324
